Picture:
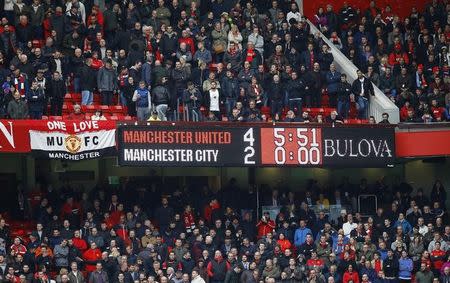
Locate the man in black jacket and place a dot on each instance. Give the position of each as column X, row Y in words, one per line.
column 192, row 98
column 296, row 91
column 161, row 98
column 56, row 91
column 362, row 88
column 276, row 97
column 87, row 83
column 343, row 96
column 314, row 86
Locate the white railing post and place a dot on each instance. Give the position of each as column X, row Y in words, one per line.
column 379, row 103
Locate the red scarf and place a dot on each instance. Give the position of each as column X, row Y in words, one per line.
column 250, row 55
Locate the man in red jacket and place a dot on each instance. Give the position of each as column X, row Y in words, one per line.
column 91, row 257
column 350, row 276
column 265, row 225
column 436, row 110
column 79, row 242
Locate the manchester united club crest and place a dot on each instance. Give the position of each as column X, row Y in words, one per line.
column 73, row 144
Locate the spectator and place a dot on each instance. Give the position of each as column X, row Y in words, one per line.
column 161, row 99
column 385, row 117
column 87, row 82
column 98, row 116
column 142, row 99
column 76, row 114
column 56, row 91
column 265, row 225
column 99, row 275
column 17, row 108
column 424, row 275
column 276, row 97
column 362, row 88
column 107, row 82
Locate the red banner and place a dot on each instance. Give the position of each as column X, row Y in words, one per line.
column 15, row 134
column 422, row 144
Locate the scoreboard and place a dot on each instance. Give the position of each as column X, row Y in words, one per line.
column 254, row 145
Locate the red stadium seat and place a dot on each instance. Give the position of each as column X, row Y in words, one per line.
column 119, row 116
column 55, row 118
column 116, row 109
column 89, row 108
column 104, row 108
column 76, row 97
column 67, row 97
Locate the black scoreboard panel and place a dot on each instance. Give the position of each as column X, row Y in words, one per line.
column 232, row 145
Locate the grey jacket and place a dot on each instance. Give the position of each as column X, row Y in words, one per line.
column 17, row 109
column 76, row 278
column 106, row 80
column 61, row 255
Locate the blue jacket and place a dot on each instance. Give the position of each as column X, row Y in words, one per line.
column 147, row 73
column 407, row 228
column 143, row 101
column 333, row 81
column 300, row 235
column 405, row 267
column 383, row 254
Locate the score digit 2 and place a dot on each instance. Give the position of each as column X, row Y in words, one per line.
column 291, row 146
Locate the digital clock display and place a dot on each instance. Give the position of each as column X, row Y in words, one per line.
column 291, row 146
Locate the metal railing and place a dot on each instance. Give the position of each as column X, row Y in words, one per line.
column 379, row 103
column 369, row 203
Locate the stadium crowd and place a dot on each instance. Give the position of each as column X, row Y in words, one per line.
column 126, row 234
column 218, row 58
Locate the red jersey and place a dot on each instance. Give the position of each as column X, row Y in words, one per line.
column 438, row 258
column 80, row 244
column 350, row 277
column 265, row 227
column 314, row 262
column 91, row 257
column 189, row 221
column 18, row 249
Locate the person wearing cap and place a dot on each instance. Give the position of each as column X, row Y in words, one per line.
column 394, row 57
column 154, row 117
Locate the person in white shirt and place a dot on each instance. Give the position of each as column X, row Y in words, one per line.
column 423, row 229
column 349, row 226
column 196, row 278
column 214, row 98
column 98, row 116
column 81, row 8
column 257, row 40
column 294, row 13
